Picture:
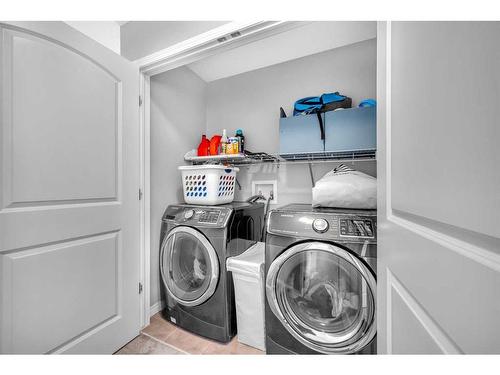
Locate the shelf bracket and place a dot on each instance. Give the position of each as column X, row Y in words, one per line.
column 238, row 183
column 311, row 174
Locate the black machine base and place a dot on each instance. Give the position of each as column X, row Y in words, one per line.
column 192, row 324
column 274, row 348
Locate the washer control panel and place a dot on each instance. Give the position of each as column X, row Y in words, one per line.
column 209, row 216
column 214, row 217
column 188, row 214
column 320, row 225
column 324, row 224
column 356, row 227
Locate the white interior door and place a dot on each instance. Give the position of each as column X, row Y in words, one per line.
column 439, row 187
column 69, row 209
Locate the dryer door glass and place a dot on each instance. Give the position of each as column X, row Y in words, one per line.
column 325, row 297
column 189, row 266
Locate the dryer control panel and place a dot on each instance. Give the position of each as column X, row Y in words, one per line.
column 209, row 216
column 360, row 227
column 216, row 217
column 326, row 224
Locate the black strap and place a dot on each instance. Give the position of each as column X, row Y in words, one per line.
column 321, row 126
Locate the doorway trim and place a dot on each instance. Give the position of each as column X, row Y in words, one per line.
column 223, row 38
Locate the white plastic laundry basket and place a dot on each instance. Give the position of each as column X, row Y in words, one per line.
column 208, row 184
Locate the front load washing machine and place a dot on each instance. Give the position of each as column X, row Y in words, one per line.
column 194, row 245
column 321, row 281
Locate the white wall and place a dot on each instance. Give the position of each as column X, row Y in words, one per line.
column 251, row 101
column 178, row 100
column 184, row 107
column 142, row 38
column 304, row 40
column 105, row 32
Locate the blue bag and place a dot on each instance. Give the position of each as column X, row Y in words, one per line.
column 319, row 104
column 323, row 103
column 368, row 103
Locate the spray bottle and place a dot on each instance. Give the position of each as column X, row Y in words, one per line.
column 223, row 142
column 241, row 139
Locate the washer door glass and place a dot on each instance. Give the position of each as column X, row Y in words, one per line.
column 189, row 266
column 325, row 297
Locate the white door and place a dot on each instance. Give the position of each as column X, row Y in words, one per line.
column 439, row 187
column 69, row 211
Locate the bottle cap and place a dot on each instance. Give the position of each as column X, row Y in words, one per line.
column 239, row 132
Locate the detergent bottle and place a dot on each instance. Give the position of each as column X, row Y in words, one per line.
column 241, row 141
column 215, row 144
column 204, row 146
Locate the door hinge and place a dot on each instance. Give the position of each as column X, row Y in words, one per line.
column 140, row 194
column 140, row 100
column 140, row 288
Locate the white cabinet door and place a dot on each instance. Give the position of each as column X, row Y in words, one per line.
column 69, row 209
column 439, row 187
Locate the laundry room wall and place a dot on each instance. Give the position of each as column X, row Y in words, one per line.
column 251, row 101
column 105, row 32
column 178, row 118
column 184, row 106
column 142, row 38
column 294, row 183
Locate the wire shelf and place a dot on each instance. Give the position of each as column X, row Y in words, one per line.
column 250, row 158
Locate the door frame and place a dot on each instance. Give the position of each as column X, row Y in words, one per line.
column 223, row 38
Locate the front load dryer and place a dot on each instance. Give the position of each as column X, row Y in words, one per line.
column 321, row 281
column 194, row 245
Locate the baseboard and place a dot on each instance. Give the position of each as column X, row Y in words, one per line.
column 156, row 308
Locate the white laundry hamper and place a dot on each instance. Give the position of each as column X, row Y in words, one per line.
column 249, row 295
column 208, row 184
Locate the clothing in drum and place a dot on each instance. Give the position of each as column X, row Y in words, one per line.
column 189, row 266
column 321, row 291
column 325, row 296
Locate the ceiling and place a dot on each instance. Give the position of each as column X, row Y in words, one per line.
column 142, row 38
column 306, row 39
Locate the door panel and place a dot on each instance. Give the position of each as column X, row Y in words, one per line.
column 40, row 277
column 445, row 109
column 438, row 247
column 78, row 102
column 406, row 324
column 453, row 284
column 69, row 214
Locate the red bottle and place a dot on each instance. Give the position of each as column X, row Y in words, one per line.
column 215, row 144
column 204, row 146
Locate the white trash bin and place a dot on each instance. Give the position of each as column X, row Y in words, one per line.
column 249, row 285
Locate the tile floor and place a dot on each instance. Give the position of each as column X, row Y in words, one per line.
column 162, row 337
